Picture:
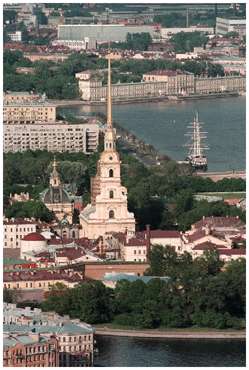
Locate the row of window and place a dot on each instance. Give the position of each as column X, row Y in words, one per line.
column 74, row 339
column 139, row 251
column 75, row 348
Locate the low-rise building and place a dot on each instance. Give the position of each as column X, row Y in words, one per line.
column 17, row 229
column 225, row 25
column 29, row 349
column 53, row 137
column 40, row 279
column 168, row 32
column 54, row 57
column 15, row 36
column 22, row 197
column 86, row 44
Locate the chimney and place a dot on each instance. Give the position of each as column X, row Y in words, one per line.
column 147, row 237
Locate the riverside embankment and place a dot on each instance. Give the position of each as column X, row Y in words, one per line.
column 173, row 333
column 146, row 99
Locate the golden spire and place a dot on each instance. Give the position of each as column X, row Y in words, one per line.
column 109, row 94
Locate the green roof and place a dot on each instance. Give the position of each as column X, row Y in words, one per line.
column 14, row 261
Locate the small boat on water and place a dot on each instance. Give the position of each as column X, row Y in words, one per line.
column 196, row 156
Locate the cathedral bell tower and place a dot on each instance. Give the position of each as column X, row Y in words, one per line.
column 108, row 210
column 55, row 180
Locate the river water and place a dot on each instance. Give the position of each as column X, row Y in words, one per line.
column 164, row 125
column 120, row 351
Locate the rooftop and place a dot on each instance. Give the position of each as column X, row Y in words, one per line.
column 42, row 275
column 131, row 277
column 34, row 237
column 19, row 221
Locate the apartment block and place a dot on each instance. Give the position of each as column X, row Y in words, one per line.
column 30, row 350
column 75, row 338
column 53, row 137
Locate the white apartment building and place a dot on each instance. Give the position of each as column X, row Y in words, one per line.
column 15, row 230
column 224, row 26
column 15, row 36
column 53, row 137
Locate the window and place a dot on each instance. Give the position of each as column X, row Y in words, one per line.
column 110, row 173
column 111, row 214
column 135, row 251
column 111, row 194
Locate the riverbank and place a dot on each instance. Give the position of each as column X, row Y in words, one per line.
column 188, row 333
column 146, row 99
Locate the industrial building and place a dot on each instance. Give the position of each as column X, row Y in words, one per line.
column 101, row 33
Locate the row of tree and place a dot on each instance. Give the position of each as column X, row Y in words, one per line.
column 58, row 80
column 196, row 293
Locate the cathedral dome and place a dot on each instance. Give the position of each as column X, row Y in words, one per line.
column 56, row 195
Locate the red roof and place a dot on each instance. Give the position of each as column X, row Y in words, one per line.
column 42, row 275
column 136, row 242
column 227, row 222
column 233, row 252
column 207, row 245
column 70, row 253
column 35, row 237
column 199, row 234
column 164, row 234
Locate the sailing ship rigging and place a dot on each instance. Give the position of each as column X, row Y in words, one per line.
column 196, row 156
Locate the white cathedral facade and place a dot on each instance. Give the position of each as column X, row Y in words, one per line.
column 108, row 210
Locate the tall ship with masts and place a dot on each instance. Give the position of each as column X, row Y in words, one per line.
column 196, row 145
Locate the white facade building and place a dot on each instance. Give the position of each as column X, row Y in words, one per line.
column 15, row 36
column 223, row 26
column 15, row 230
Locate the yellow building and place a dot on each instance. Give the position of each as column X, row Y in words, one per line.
column 108, row 209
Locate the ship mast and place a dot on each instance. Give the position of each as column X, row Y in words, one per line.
column 196, row 135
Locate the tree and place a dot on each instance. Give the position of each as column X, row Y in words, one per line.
column 186, row 41
column 9, row 16
column 11, row 295
column 29, row 209
column 89, row 301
